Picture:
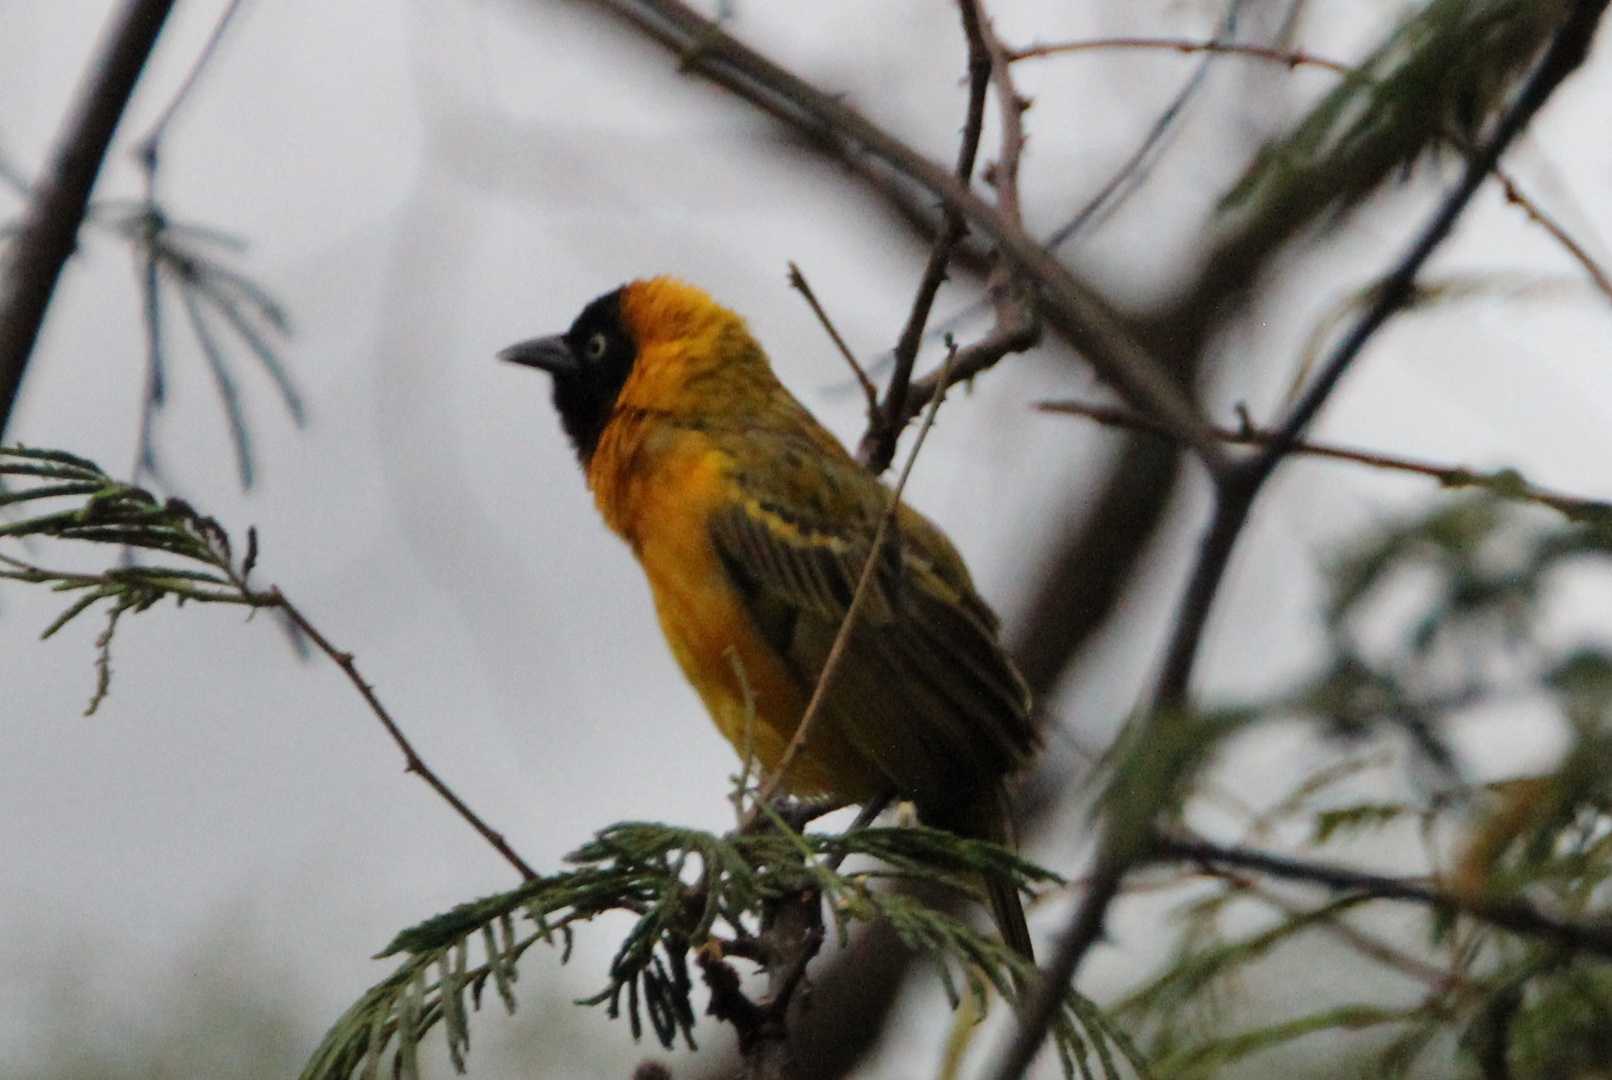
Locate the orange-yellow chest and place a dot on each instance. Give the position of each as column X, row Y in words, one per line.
column 657, row 486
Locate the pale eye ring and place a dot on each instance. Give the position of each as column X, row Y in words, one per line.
column 596, row 346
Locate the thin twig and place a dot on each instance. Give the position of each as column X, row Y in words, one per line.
column 137, row 519
column 1289, row 57
column 1368, row 945
column 798, row 281
column 1505, row 482
column 878, row 446
column 1004, row 177
column 1294, row 58
column 1515, row 196
column 1236, row 488
column 842, row 639
column 1514, row 916
column 1133, row 173
column 412, row 761
column 49, row 231
column 150, row 145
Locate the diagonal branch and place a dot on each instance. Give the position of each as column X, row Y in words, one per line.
column 798, row 281
column 413, row 762
column 1514, row 916
column 49, row 230
column 1505, row 483
column 878, row 447
column 882, row 536
column 1016, row 328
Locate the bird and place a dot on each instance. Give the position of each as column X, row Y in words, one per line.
column 753, row 525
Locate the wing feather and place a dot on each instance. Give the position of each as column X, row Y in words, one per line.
column 925, row 691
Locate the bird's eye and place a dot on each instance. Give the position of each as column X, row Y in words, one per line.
column 595, row 348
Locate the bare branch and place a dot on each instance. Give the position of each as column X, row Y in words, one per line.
column 1505, row 483
column 412, row 761
column 1560, row 234
column 1289, row 57
column 1514, row 916
column 49, row 230
column 798, row 281
column 1017, row 328
column 878, row 447
column 1004, row 176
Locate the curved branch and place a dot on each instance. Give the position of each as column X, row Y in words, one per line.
column 49, row 230
column 1186, row 46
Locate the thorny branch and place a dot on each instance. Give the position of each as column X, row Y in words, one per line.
column 1125, row 842
column 1290, row 57
column 1506, row 482
column 1016, row 328
column 886, row 421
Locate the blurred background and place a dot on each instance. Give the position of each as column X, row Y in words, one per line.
column 192, row 880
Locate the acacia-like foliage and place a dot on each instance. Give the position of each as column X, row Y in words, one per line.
column 701, row 897
column 112, row 512
column 1429, row 620
column 1433, row 83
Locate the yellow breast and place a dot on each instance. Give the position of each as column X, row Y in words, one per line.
column 657, row 485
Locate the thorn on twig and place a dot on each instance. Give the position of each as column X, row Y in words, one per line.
column 1245, row 422
column 797, row 280
column 250, row 562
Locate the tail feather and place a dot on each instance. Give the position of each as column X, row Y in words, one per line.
column 986, row 817
column 1008, row 911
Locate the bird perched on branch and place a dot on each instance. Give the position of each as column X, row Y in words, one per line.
column 754, row 526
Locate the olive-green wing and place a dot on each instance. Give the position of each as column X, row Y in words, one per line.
column 925, row 691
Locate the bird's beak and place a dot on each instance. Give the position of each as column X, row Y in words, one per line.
column 551, row 354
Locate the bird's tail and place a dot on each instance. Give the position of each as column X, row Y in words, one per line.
column 986, row 818
column 1008, row 911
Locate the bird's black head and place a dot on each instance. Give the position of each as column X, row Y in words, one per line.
column 590, row 363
